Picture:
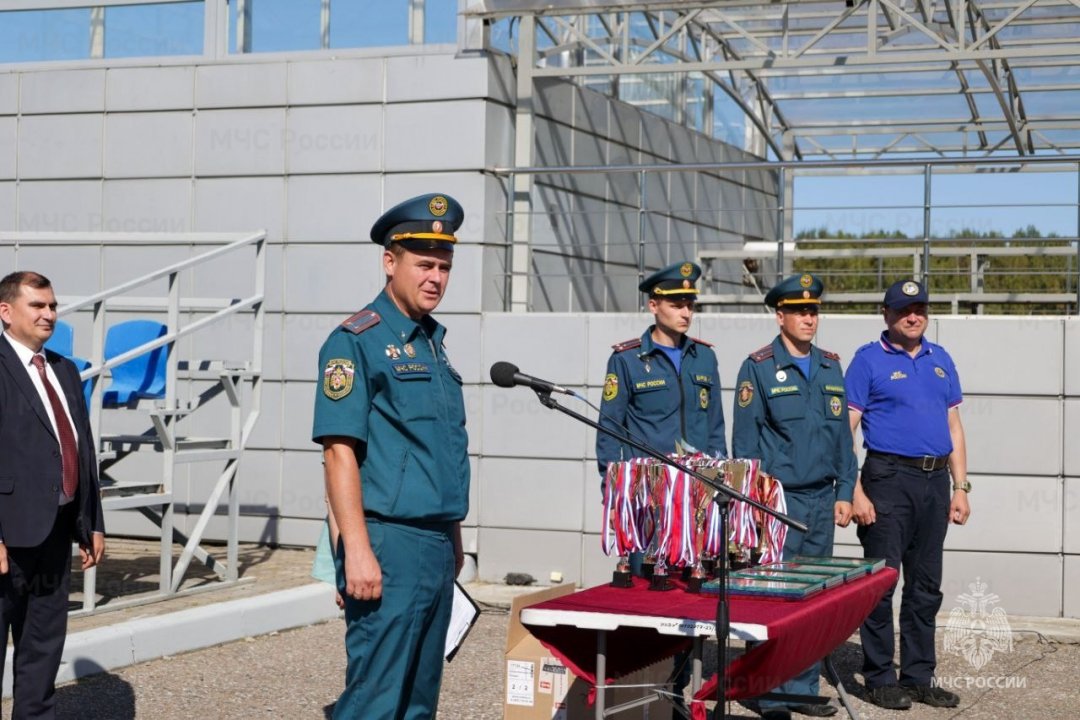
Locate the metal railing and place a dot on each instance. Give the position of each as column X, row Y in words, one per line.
column 154, row 492
column 927, row 246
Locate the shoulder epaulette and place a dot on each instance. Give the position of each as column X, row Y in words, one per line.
column 699, row 341
column 361, row 321
column 626, row 345
column 831, row 355
column 762, row 354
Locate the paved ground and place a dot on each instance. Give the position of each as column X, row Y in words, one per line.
column 298, row 673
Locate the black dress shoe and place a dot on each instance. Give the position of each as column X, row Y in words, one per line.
column 776, row 713
column 932, row 696
column 890, row 697
column 815, row 710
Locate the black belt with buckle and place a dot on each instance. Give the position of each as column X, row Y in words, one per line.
column 926, row 463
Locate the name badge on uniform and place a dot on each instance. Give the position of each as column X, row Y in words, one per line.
column 401, row 369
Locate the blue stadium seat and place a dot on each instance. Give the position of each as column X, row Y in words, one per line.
column 140, row 377
column 62, row 340
column 82, row 364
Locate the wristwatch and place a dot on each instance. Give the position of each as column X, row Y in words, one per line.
column 965, row 486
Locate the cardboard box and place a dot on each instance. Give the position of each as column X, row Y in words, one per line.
column 539, row 687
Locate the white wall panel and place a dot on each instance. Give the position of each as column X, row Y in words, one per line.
column 331, row 278
column 1005, row 373
column 240, row 142
column 334, row 139
column 148, row 144
column 428, row 78
column 1014, row 435
column 1072, row 355
column 1071, row 607
column 9, row 141
column 303, row 490
column 536, row 552
column 256, row 84
column 463, row 346
column 9, row 93
column 51, row 206
column 147, row 205
column 336, row 80
column 7, row 210
column 1026, row 584
column 515, row 424
column 60, row 146
column 304, row 334
column 241, row 205
column 298, row 401
column 1021, row 504
column 447, row 135
column 531, row 496
column 336, row 208
column 63, row 91
column 547, row 346
column 1071, row 506
column 149, row 88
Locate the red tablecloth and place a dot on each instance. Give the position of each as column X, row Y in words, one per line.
column 800, row 632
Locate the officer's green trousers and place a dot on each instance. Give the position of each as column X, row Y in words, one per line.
column 395, row 645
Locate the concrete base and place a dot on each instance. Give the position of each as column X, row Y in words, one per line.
column 134, row 641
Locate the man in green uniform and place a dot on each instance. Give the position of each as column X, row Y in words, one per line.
column 663, row 389
column 790, row 412
column 390, row 417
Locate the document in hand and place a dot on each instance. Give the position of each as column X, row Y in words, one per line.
column 463, row 616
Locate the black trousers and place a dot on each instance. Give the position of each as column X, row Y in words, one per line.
column 34, row 606
column 912, row 508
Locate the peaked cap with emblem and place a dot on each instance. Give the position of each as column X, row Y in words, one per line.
column 903, row 293
column 674, row 281
column 425, row 222
column 804, row 289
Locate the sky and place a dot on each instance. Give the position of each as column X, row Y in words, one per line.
column 983, row 200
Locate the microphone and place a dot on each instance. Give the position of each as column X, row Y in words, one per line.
column 506, row 375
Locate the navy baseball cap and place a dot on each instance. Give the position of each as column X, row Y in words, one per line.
column 425, row 222
column 796, row 290
column 674, row 281
column 903, row 293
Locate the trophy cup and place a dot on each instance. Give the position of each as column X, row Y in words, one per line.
column 658, row 496
column 701, row 496
column 621, row 578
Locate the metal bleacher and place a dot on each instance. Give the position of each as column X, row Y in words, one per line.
column 164, row 423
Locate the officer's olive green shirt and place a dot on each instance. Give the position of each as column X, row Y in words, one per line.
column 392, row 388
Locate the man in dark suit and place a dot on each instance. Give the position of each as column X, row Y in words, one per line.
column 49, row 491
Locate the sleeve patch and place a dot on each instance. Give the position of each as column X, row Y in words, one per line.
column 746, row 393
column 611, row 387
column 361, row 321
column 338, row 378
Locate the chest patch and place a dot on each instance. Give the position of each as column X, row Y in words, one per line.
column 338, row 378
column 650, row 384
column 783, row 390
column 401, row 369
column 835, row 407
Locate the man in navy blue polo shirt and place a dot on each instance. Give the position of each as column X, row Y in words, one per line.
column 905, row 393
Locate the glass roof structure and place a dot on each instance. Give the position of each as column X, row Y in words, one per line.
column 803, row 80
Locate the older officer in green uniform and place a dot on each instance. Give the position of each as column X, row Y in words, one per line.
column 391, row 420
column 790, row 412
column 664, row 387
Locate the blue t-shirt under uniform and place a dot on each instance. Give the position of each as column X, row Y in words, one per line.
column 674, row 354
column 904, row 400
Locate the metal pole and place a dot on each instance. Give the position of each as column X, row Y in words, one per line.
column 641, row 236
column 926, row 226
column 780, row 217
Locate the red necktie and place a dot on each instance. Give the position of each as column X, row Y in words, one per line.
column 68, row 448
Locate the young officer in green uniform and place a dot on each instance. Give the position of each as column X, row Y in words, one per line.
column 790, row 412
column 390, row 417
column 663, row 387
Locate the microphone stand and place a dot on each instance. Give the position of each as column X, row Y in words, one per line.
column 723, row 619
